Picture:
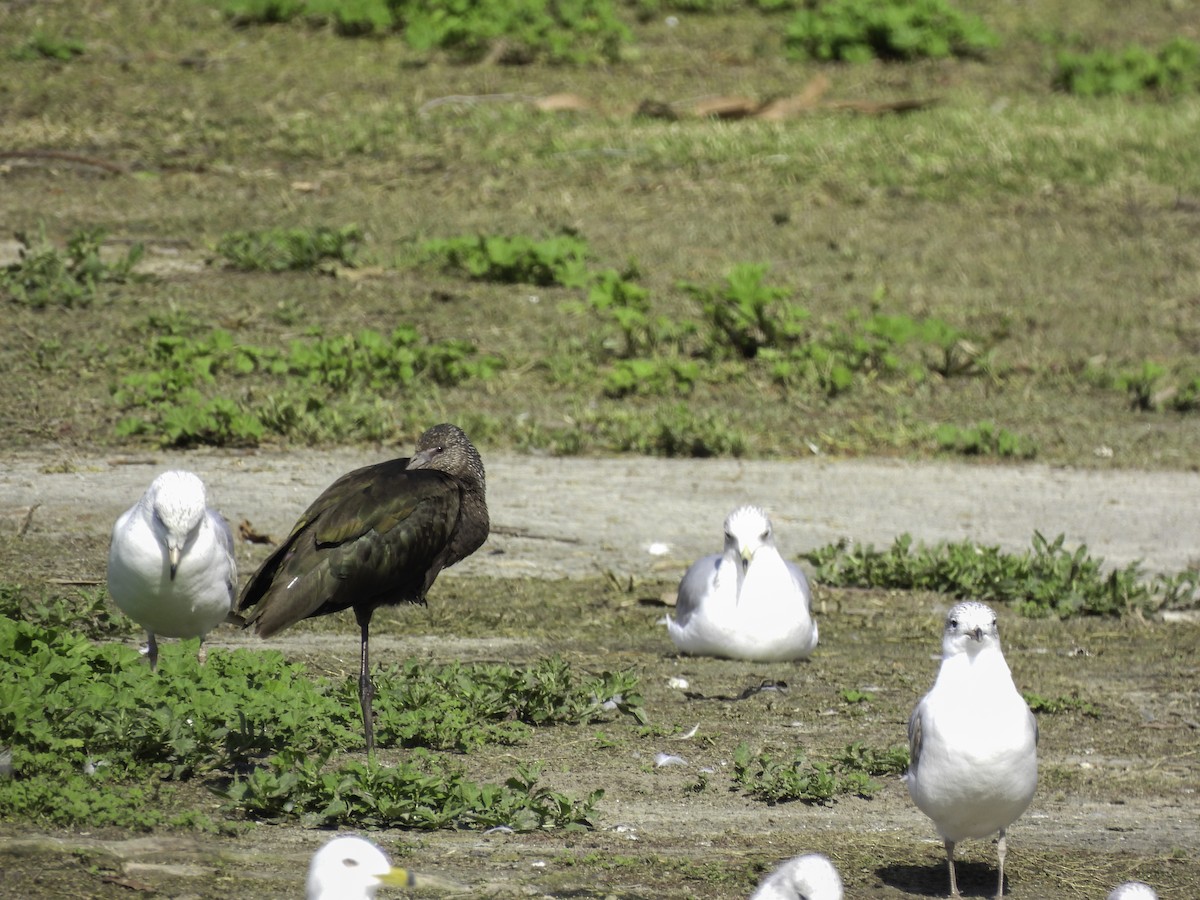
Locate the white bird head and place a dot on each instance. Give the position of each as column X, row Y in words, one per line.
column 1133, row 890
column 808, row 877
column 351, row 868
column 177, row 502
column 747, row 529
column 970, row 628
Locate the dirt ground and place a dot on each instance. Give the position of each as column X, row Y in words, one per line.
column 573, row 538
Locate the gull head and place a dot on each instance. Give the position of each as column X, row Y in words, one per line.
column 351, row 868
column 747, row 529
column 177, row 503
column 970, row 627
column 1133, row 890
column 808, row 877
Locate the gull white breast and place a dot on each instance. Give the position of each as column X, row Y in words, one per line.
column 746, row 602
column 171, row 565
column 972, row 739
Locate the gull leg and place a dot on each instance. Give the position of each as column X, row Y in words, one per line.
column 1001, row 852
column 950, row 861
column 202, row 653
column 152, row 650
column 366, row 690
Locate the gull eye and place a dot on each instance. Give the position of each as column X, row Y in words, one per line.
column 766, row 534
column 953, row 623
column 349, row 862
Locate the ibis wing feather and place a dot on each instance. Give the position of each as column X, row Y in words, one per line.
column 376, row 534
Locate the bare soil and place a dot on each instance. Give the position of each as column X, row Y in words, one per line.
column 569, row 570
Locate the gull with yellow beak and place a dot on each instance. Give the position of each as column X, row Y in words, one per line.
column 352, row 868
column 746, row 602
column 170, row 564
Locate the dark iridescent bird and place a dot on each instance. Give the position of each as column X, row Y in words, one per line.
column 378, row 536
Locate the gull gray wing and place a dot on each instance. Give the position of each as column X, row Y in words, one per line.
column 914, row 737
column 695, row 586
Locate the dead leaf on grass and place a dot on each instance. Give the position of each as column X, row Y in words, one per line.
column 247, row 533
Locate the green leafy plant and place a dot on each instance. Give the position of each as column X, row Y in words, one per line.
column 777, row 779
column 1047, row 580
column 667, row 431
column 745, row 314
column 860, row 30
column 174, row 379
column 559, row 260
column 42, row 276
column 50, row 46
column 1056, row 705
column 289, row 249
column 89, row 725
column 983, row 439
column 1172, row 69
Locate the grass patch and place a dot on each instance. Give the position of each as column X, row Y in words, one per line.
column 861, row 30
column 778, row 779
column 89, row 725
column 1048, row 580
column 289, row 249
column 44, row 276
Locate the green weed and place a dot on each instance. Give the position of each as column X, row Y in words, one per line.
column 779, row 780
column 421, row 791
column 68, row 706
column 49, row 46
column 560, row 260
column 860, row 30
column 983, row 439
column 44, row 277
column 289, row 249
column 745, row 314
column 666, row 431
column 87, row 611
column 1056, row 705
column 1172, row 69
column 1047, row 580
column 324, row 383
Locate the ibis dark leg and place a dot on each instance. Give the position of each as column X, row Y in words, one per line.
column 366, row 690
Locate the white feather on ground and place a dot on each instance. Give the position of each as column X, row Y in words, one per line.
column 171, row 566
column 746, row 602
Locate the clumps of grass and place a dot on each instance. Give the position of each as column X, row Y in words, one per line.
column 559, row 260
column 1172, row 69
column 1048, row 580
column 1054, row 706
column 87, row 611
column 861, row 30
column 983, row 439
column 289, row 249
column 421, row 791
column 328, row 387
column 780, row 779
column 90, row 725
column 580, row 32
column 43, row 276
column 415, row 703
column 672, row 431
column 41, row 45
column 1151, row 388
column 749, row 320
